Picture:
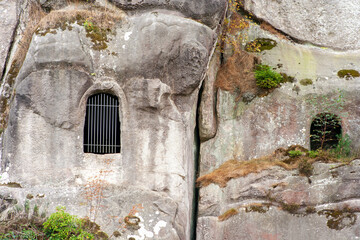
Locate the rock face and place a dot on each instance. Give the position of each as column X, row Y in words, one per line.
column 154, row 60
column 331, row 24
column 280, row 204
column 9, row 18
column 209, row 12
column 154, row 63
column 276, row 203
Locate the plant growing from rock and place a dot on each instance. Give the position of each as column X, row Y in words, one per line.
column 22, row 223
column 342, row 149
column 94, row 191
column 295, row 153
column 62, row 225
column 266, row 77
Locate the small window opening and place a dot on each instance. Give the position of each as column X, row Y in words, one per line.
column 325, row 131
column 102, row 124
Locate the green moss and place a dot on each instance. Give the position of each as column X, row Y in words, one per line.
column 98, row 37
column 260, row 44
column 306, row 81
column 287, row 78
column 266, row 77
column 339, row 219
column 348, row 73
column 295, row 153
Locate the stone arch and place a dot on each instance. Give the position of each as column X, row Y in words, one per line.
column 109, row 88
column 325, row 131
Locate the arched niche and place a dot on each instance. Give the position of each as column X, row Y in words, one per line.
column 325, row 131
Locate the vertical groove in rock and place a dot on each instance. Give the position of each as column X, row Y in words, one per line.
column 196, row 167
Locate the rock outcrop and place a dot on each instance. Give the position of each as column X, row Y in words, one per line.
column 154, row 61
column 280, row 204
column 332, row 24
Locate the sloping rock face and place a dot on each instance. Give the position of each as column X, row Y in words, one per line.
column 280, row 204
column 154, row 62
column 331, row 24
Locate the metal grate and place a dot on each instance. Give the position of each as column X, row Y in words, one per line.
column 102, row 125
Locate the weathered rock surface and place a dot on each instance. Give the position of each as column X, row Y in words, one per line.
column 154, row 63
column 326, row 208
column 8, row 19
column 280, row 204
column 209, row 12
column 283, row 118
column 207, row 114
column 333, row 24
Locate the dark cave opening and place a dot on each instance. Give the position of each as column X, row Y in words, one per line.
column 325, row 131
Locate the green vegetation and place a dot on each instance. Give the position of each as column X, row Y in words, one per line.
column 22, row 223
column 313, row 154
column 266, row 77
column 62, row 225
column 348, row 74
column 342, row 149
column 295, row 153
column 306, row 81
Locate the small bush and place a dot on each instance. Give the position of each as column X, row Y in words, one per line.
column 342, row 149
column 295, row 153
column 267, row 78
column 62, row 225
column 313, row 154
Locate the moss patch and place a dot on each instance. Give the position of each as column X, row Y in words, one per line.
column 339, row 219
column 290, row 208
column 260, row 44
column 287, row 78
column 306, row 81
column 348, row 73
column 260, row 208
column 98, row 37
